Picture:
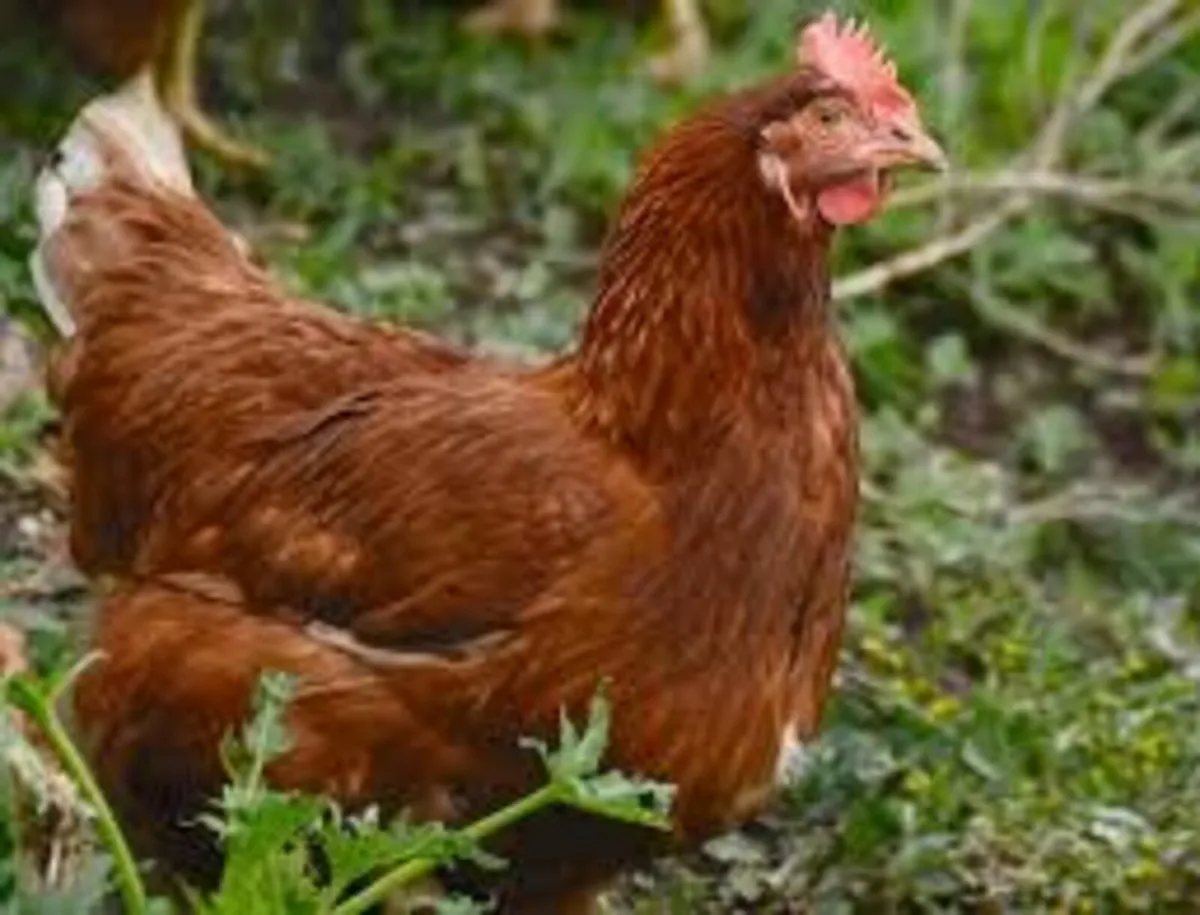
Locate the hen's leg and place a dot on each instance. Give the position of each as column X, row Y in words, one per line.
column 176, row 77
column 689, row 51
column 584, row 900
column 530, row 18
column 415, row 899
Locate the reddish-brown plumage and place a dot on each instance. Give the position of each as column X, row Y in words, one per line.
column 118, row 36
column 449, row 550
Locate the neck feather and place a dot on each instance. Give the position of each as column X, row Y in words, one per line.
column 710, row 298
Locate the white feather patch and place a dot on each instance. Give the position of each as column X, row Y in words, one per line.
column 133, row 120
column 793, row 758
column 56, row 310
column 50, row 201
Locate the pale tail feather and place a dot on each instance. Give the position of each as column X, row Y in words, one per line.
column 127, row 130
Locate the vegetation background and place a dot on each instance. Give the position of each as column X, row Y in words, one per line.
column 1016, row 725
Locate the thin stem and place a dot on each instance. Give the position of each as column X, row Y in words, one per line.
column 129, row 881
column 258, row 762
column 411, row 871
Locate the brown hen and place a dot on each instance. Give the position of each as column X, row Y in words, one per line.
column 449, row 550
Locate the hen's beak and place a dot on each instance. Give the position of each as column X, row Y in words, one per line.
column 907, row 147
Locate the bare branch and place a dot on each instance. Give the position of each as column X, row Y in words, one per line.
column 1176, row 158
column 1164, row 42
column 1113, row 66
column 1182, row 106
column 1125, row 54
column 1025, row 325
column 1127, row 503
column 931, row 254
column 1093, row 191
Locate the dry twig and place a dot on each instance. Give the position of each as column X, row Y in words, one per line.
column 1023, row 324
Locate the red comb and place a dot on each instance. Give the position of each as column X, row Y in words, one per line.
column 849, row 55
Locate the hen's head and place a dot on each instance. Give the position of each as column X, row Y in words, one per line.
column 836, row 129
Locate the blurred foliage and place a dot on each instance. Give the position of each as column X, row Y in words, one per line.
column 1014, row 729
column 284, row 852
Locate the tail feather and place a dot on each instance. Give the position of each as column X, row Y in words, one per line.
column 125, row 134
column 126, row 131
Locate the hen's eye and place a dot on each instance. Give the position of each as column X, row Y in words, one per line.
column 829, row 117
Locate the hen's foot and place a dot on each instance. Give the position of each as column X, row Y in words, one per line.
column 682, row 62
column 202, row 133
column 175, row 74
column 530, row 18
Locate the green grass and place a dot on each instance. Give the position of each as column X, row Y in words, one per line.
column 1015, row 725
